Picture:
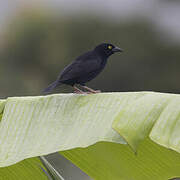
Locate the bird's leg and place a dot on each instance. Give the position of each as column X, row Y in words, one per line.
column 77, row 90
column 90, row 90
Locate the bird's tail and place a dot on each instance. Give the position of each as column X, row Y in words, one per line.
column 51, row 87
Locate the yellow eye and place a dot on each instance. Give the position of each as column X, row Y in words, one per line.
column 109, row 47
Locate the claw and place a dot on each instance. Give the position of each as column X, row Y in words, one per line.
column 91, row 91
column 97, row 91
column 78, row 91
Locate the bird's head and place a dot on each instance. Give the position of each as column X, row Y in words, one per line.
column 106, row 49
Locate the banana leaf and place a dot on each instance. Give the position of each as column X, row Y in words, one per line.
column 134, row 135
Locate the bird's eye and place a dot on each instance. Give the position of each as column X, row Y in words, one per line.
column 110, row 47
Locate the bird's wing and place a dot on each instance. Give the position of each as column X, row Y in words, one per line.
column 82, row 66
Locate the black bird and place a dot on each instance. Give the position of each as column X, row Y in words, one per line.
column 85, row 68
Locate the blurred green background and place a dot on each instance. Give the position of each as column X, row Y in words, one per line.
column 38, row 40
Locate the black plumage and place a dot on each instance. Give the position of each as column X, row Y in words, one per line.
column 85, row 68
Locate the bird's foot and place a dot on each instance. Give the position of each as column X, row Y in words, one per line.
column 91, row 91
column 94, row 92
column 87, row 92
column 97, row 91
column 78, row 91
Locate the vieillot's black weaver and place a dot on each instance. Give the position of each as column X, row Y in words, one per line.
column 85, row 68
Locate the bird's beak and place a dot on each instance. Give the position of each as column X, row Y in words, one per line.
column 117, row 49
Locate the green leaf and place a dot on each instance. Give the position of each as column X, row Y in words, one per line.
column 36, row 126
column 146, row 121
column 136, row 120
column 2, row 104
column 108, row 161
column 25, row 170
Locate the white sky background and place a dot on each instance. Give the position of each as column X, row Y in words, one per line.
column 165, row 14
